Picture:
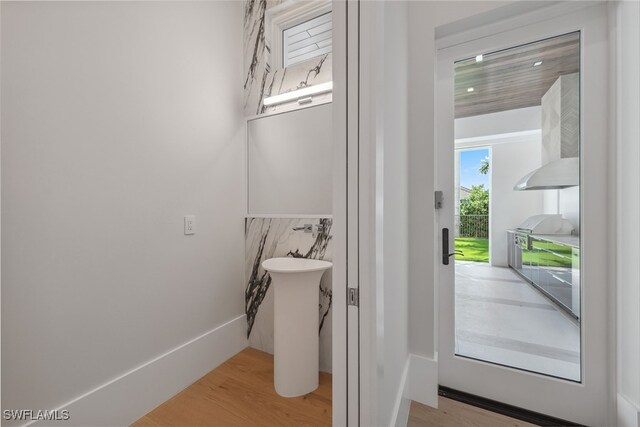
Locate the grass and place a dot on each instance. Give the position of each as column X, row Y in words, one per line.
column 474, row 249
column 548, row 255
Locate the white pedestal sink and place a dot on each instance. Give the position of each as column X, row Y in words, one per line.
column 296, row 284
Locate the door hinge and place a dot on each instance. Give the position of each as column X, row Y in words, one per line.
column 352, row 296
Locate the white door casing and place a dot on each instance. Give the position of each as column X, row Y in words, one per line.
column 353, row 244
column 346, row 354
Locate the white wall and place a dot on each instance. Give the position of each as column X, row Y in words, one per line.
column 509, row 162
column 395, row 210
column 627, row 33
column 393, row 300
column 118, row 119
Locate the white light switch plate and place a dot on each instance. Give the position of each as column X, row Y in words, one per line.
column 189, row 224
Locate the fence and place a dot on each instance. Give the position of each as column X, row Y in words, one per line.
column 472, row 226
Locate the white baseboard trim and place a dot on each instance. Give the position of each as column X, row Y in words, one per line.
column 419, row 382
column 400, row 414
column 126, row 398
column 628, row 414
column 423, row 380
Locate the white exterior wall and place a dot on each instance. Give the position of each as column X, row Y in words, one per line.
column 508, row 208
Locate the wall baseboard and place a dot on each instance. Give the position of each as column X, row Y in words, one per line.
column 420, row 383
column 628, row 414
column 123, row 400
column 400, row 414
column 423, row 380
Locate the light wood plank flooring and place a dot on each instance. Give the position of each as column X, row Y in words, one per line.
column 240, row 393
column 457, row 414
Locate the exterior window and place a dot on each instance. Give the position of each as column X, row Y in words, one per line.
column 307, row 40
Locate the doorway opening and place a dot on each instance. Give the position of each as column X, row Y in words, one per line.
column 472, row 199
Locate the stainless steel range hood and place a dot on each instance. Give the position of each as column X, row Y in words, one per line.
column 560, row 148
column 562, row 173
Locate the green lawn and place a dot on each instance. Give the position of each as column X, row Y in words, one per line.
column 548, row 254
column 474, row 249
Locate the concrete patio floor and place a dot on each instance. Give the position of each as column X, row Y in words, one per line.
column 500, row 318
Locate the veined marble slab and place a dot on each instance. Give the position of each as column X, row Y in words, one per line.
column 275, row 237
column 262, row 77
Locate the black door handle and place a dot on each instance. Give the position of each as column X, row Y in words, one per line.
column 445, row 247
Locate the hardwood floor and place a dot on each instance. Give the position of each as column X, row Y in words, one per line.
column 240, row 393
column 458, row 414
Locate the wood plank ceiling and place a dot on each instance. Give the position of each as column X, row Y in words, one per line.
column 507, row 79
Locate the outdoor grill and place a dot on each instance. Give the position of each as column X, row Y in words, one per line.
column 541, row 224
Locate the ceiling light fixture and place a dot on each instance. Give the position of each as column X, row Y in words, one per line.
column 479, row 58
column 535, row 64
column 470, row 89
column 306, row 92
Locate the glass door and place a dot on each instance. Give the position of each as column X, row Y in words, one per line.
column 516, row 322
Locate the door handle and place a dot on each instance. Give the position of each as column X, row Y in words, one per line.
column 445, row 247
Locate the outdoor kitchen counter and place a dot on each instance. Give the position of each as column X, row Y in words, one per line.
column 559, row 238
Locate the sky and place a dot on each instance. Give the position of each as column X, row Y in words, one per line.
column 469, row 165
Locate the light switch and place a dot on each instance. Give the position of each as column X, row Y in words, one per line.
column 189, row 224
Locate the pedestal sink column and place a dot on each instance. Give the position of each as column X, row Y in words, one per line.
column 296, row 284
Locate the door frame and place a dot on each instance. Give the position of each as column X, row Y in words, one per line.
column 357, row 34
column 587, row 402
column 346, row 213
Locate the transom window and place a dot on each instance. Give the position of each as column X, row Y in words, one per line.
column 307, row 40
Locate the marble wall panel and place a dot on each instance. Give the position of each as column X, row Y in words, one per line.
column 275, row 237
column 262, row 77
